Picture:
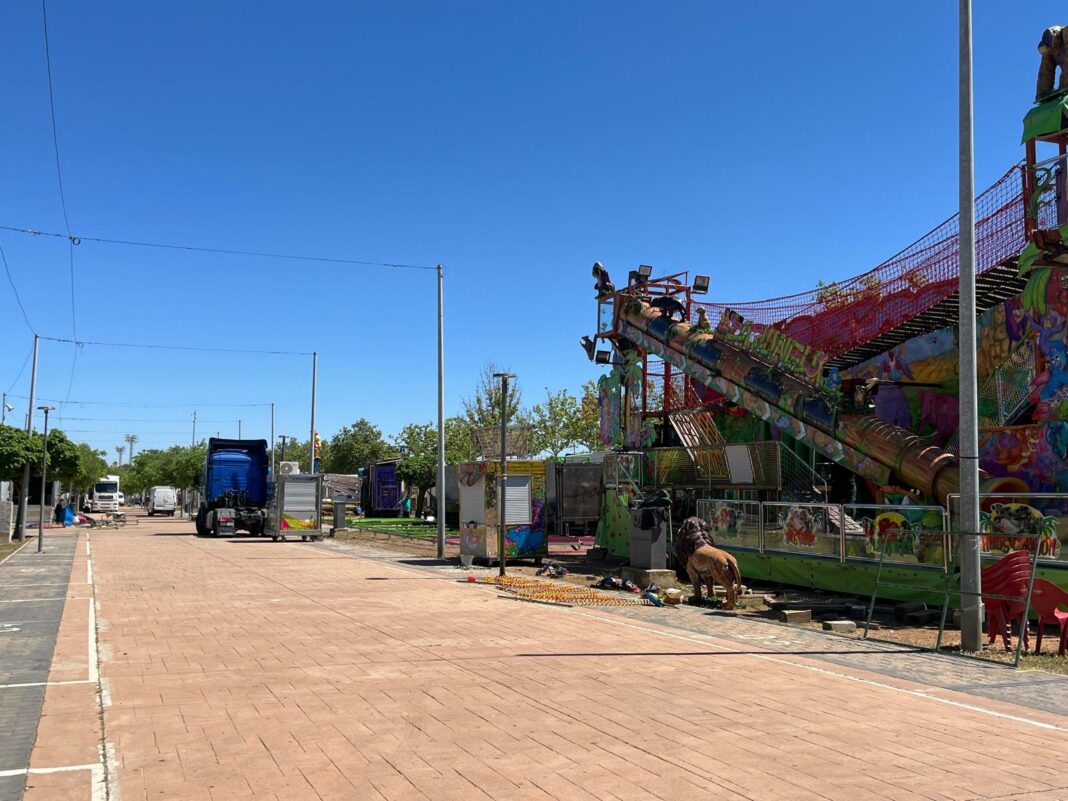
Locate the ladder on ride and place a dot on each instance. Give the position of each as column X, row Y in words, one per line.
column 702, row 440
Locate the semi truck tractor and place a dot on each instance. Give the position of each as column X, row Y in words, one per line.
column 233, row 487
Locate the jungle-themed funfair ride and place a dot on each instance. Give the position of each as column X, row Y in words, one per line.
column 818, row 432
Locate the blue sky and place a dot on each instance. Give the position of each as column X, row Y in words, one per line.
column 767, row 144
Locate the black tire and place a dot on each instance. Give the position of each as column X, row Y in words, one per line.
column 202, row 527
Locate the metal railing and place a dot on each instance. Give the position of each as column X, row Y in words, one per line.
column 1010, row 522
column 735, row 523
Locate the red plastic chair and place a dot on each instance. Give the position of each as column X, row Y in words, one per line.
column 1046, row 597
column 1007, row 576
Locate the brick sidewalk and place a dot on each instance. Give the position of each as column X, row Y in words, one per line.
column 250, row 669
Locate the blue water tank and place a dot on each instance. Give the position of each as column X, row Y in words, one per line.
column 235, row 470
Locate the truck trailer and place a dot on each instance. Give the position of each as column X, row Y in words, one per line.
column 233, row 487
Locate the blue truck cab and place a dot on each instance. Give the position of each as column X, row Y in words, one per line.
column 234, row 487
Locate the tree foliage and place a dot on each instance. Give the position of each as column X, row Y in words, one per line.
column 588, row 425
column 93, row 465
column 353, row 447
column 17, row 448
column 176, row 466
column 555, row 423
column 483, row 409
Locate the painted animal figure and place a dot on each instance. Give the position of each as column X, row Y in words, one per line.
column 692, row 534
column 1053, row 47
column 669, row 307
column 696, row 551
column 708, row 565
column 604, row 285
column 940, row 411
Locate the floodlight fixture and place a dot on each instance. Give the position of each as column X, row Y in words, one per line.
column 588, row 345
column 644, row 271
column 603, row 357
column 700, row 284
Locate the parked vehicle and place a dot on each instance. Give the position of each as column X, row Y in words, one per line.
column 233, row 487
column 161, row 501
column 104, row 497
column 122, row 498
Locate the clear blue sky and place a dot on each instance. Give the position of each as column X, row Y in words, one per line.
column 769, row 144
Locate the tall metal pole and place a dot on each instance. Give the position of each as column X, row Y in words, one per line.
column 283, row 436
column 440, row 489
column 502, row 490
column 971, row 625
column 25, row 490
column 315, row 372
column 239, row 429
column 3, row 411
column 44, row 474
column 272, row 439
column 193, row 442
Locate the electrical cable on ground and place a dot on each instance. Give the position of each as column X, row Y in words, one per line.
column 222, row 251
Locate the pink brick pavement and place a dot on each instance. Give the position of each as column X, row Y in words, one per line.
column 282, row 671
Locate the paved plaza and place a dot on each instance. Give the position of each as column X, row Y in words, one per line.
column 202, row 669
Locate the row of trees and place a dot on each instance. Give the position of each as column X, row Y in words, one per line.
column 559, row 423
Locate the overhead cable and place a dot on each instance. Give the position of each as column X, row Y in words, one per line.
column 77, row 240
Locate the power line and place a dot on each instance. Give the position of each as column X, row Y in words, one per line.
column 21, row 371
column 80, row 343
column 14, row 289
column 59, row 169
column 152, row 405
column 141, row 420
column 77, row 240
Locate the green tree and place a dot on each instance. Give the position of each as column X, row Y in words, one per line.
column 418, row 444
column 555, row 424
column 460, row 445
column 483, row 409
column 16, row 449
column 93, row 465
column 588, row 425
column 353, row 447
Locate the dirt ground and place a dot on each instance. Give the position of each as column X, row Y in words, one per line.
column 759, row 601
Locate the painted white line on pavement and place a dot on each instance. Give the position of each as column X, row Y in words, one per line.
column 37, row 600
column 64, row 769
column 779, row 660
column 43, row 684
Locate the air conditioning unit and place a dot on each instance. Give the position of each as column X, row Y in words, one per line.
column 288, row 468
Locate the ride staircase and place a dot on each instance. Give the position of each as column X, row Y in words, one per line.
column 699, row 435
column 802, row 484
column 1005, row 393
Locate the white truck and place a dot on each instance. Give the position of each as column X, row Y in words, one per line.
column 104, row 496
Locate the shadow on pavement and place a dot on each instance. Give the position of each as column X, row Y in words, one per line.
column 174, row 533
column 730, row 653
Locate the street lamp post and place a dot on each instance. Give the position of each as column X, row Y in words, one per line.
column 283, row 437
column 131, row 440
column 503, row 478
column 119, row 449
column 44, row 475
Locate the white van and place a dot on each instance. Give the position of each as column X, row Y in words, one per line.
column 161, row 500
